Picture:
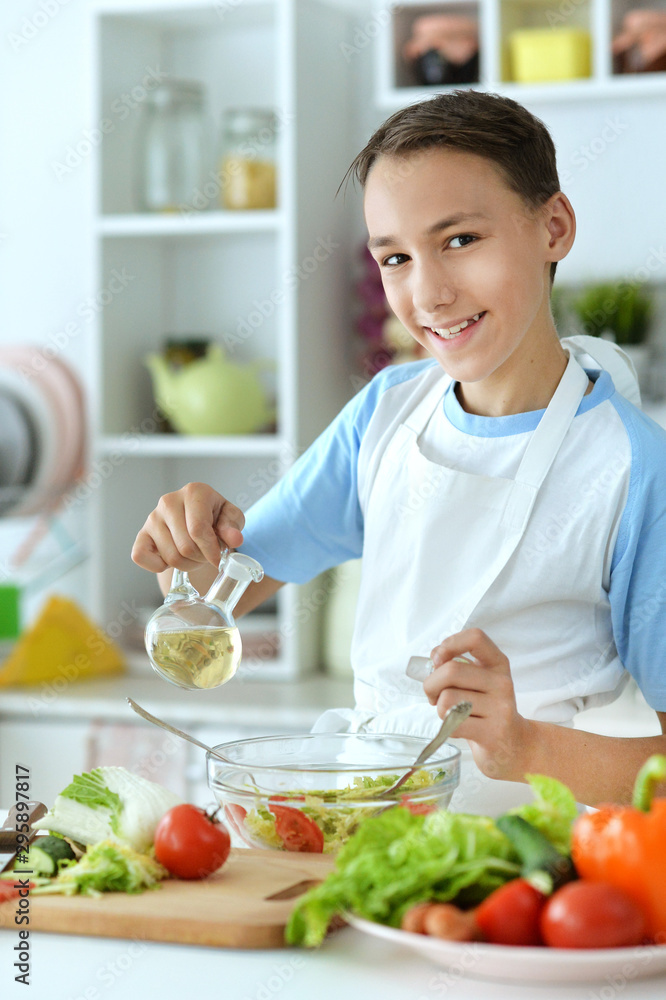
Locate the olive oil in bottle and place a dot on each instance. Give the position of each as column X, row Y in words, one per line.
column 197, row 657
column 192, row 641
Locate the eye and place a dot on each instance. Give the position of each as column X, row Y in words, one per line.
column 394, row 260
column 464, row 240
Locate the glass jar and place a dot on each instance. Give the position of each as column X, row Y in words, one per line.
column 247, row 159
column 172, row 147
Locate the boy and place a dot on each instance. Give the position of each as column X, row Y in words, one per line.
column 508, row 503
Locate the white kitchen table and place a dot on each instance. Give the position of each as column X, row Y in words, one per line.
column 348, row 966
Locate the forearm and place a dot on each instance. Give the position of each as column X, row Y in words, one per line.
column 596, row 768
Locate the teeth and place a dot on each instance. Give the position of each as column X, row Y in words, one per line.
column 453, row 331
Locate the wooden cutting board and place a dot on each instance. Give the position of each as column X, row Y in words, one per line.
column 230, row 909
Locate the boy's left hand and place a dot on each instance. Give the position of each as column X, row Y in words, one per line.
column 497, row 734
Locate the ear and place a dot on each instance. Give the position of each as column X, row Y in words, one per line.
column 560, row 221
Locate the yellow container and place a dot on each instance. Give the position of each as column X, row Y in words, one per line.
column 542, row 54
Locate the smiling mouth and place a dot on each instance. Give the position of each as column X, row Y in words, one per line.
column 449, row 333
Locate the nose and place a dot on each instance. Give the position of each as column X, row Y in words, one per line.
column 432, row 287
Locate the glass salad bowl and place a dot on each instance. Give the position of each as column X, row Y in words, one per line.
column 310, row 792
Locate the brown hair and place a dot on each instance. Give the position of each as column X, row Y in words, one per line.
column 472, row 121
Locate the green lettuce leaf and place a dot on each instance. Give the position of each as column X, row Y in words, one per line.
column 106, row 867
column 553, row 811
column 396, row 860
column 90, row 790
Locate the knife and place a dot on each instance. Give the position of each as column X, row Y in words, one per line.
column 12, row 825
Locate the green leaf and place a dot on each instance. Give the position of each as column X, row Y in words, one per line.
column 553, row 811
column 396, row 860
column 106, row 867
column 90, row 790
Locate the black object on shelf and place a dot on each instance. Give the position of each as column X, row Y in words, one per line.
column 433, row 69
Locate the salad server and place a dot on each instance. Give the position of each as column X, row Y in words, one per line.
column 451, row 721
column 172, row 729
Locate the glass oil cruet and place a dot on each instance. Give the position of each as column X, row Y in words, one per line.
column 193, row 641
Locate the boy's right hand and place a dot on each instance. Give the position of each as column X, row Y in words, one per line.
column 187, row 529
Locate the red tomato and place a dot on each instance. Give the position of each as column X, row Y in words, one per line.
column 7, row 890
column 235, row 817
column 587, row 914
column 510, row 914
column 190, row 843
column 417, row 808
column 296, row 830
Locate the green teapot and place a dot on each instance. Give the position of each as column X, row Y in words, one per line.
column 210, row 395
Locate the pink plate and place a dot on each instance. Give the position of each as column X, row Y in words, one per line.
column 53, row 398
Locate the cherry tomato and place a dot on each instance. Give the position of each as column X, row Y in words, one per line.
column 190, row 843
column 510, row 914
column 296, row 830
column 588, row 914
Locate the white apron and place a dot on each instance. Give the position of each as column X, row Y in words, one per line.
column 408, row 605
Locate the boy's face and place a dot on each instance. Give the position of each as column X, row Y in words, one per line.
column 455, row 245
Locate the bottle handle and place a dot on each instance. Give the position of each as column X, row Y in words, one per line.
column 181, row 589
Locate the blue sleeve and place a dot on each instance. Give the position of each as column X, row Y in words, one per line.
column 311, row 519
column 638, row 570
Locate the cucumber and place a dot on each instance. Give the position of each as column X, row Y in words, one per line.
column 542, row 863
column 45, row 853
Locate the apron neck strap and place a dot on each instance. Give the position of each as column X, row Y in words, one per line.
column 553, row 426
column 435, row 391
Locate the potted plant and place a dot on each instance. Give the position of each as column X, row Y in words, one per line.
column 621, row 312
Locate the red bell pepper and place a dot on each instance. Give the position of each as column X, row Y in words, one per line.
column 626, row 846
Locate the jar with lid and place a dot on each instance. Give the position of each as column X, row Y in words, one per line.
column 172, row 152
column 247, row 159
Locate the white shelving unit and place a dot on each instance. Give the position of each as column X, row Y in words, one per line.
column 496, row 19
column 203, row 271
